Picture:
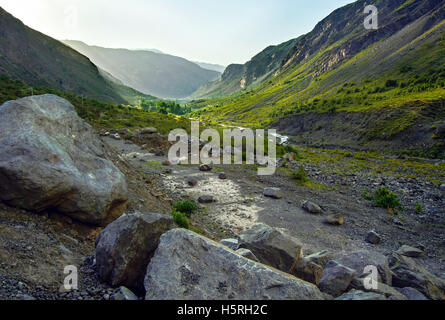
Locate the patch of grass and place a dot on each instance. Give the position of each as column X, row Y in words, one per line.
column 100, row 115
column 367, row 196
column 419, row 208
column 300, row 175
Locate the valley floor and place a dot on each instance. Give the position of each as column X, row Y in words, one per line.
column 32, row 260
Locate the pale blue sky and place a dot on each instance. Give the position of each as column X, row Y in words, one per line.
column 224, row 32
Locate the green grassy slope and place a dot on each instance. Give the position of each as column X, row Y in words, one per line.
column 98, row 114
column 340, row 66
column 238, row 77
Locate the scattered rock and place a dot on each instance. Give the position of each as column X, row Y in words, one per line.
column 442, row 187
column 373, row 237
column 271, row 246
column 290, row 156
column 159, row 153
column 149, row 130
column 336, row 278
column 167, row 171
column 230, row 243
column 116, row 136
column 312, row 207
column 206, row 199
column 125, row 294
column 360, row 295
column 24, row 297
column 410, row 251
column 65, row 163
column 166, row 163
column 359, row 260
column 222, row 176
column 321, row 258
column 124, row 248
column 205, row 168
column 246, row 253
column 307, row 270
column 412, row 294
column 274, row 193
column 187, row 266
column 409, row 273
column 335, row 219
column 381, row 288
column 192, row 182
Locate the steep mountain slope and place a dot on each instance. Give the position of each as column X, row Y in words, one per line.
column 396, row 72
column 153, row 73
column 33, row 57
column 237, row 77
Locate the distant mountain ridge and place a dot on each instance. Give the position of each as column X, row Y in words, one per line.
column 153, row 73
column 211, row 66
column 33, row 57
column 237, row 76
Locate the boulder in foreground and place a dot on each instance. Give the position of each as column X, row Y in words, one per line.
column 187, row 266
column 124, row 248
column 51, row 158
column 271, row 246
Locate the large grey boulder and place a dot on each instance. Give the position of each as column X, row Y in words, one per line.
column 274, row 193
column 51, row 158
column 246, row 253
column 124, row 248
column 389, row 292
column 408, row 272
column 271, row 246
column 230, row 243
column 359, row 260
column 410, row 251
column 311, row 207
column 188, row 266
column 321, row 258
column 336, row 278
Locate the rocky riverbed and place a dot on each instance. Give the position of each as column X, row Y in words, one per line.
column 332, row 227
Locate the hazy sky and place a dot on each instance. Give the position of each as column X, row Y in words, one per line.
column 223, row 31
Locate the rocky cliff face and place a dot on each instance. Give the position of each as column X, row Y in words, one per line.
column 240, row 76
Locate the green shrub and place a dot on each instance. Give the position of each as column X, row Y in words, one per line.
column 391, row 83
column 367, row 196
column 299, row 175
column 386, row 199
column 419, row 208
column 180, row 219
column 186, row 207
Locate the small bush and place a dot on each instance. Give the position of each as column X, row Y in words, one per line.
column 367, row 196
column 386, row 199
column 186, row 207
column 391, row 84
column 419, row 208
column 299, row 175
column 180, row 219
